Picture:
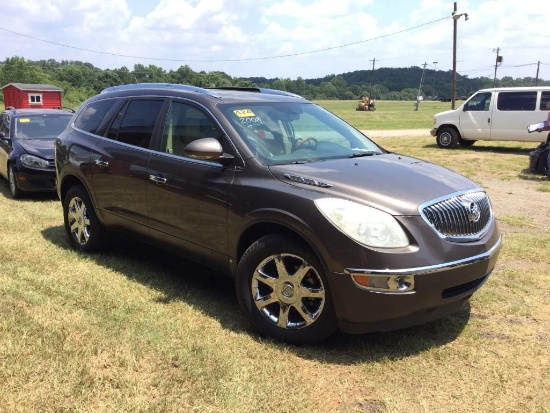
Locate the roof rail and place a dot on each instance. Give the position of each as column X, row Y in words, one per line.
column 141, row 86
column 259, row 90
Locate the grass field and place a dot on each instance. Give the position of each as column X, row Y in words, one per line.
column 135, row 329
column 388, row 114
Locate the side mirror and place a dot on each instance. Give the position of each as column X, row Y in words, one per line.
column 207, row 149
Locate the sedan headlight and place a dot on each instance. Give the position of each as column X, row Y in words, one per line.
column 34, row 162
column 368, row 226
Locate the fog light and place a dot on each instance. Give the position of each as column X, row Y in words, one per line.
column 385, row 283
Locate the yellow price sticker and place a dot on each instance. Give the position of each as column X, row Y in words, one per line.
column 244, row 113
column 24, row 120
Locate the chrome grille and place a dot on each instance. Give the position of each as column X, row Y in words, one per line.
column 461, row 217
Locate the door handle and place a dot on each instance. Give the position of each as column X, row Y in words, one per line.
column 101, row 164
column 157, row 179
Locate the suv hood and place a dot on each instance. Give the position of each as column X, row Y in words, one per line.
column 43, row 148
column 375, row 180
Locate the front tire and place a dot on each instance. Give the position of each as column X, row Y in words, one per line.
column 282, row 289
column 83, row 228
column 447, row 138
column 15, row 192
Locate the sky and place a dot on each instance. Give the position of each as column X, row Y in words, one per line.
column 284, row 38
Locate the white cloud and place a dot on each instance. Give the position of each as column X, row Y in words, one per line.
column 214, row 34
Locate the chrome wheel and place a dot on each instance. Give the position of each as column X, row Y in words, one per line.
column 82, row 226
column 79, row 223
column 288, row 291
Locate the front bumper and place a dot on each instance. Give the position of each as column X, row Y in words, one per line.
column 435, row 291
column 34, row 180
column 433, row 131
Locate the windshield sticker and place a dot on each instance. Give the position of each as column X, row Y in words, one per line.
column 244, row 113
column 24, row 120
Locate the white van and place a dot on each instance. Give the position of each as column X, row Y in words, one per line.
column 499, row 114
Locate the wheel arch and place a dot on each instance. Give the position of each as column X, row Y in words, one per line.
column 260, row 229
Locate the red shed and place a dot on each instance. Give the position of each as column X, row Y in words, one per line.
column 25, row 96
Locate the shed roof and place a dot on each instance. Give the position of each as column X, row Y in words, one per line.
column 31, row 86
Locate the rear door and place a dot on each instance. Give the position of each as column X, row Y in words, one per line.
column 119, row 164
column 188, row 198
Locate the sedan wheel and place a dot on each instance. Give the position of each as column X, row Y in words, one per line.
column 282, row 289
column 81, row 224
column 14, row 189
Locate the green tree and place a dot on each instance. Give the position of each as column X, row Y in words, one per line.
column 18, row 70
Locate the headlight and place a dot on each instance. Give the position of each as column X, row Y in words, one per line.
column 368, row 226
column 35, row 162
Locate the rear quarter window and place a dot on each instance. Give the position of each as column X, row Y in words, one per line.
column 91, row 117
column 517, row 101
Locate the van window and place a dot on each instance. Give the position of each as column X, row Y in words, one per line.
column 517, row 101
column 479, row 102
column 545, row 101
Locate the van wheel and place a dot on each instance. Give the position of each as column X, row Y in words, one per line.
column 283, row 291
column 83, row 228
column 447, row 138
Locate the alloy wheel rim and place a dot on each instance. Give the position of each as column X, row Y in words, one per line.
column 79, row 223
column 288, row 291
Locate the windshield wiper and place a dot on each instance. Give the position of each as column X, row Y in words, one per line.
column 360, row 154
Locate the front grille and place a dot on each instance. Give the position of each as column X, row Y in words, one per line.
column 468, row 287
column 461, row 217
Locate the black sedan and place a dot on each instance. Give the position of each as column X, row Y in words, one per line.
column 27, row 148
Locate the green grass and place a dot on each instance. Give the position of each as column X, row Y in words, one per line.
column 136, row 329
column 388, row 114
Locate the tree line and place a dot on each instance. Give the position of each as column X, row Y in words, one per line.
column 80, row 80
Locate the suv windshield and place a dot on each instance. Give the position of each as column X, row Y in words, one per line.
column 40, row 126
column 279, row 133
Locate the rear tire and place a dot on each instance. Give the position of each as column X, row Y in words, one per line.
column 83, row 228
column 283, row 291
column 447, row 138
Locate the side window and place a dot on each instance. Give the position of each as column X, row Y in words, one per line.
column 545, row 101
column 479, row 102
column 184, row 124
column 90, row 118
column 135, row 123
column 517, row 101
column 5, row 125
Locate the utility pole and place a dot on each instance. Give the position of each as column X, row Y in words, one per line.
column 435, row 74
column 455, row 19
column 537, row 78
column 497, row 61
column 419, row 94
column 371, row 77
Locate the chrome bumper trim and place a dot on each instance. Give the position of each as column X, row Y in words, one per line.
column 431, row 268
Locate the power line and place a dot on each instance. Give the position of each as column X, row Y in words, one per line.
column 229, row 60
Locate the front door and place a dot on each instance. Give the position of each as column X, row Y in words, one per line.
column 188, row 198
column 475, row 118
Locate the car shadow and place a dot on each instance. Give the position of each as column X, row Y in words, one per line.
column 213, row 293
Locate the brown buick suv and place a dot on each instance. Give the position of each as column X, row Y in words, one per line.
column 319, row 227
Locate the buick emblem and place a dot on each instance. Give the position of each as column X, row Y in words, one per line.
column 474, row 212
